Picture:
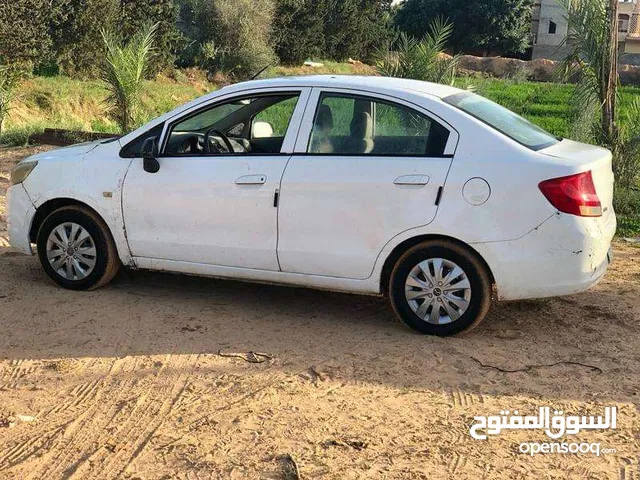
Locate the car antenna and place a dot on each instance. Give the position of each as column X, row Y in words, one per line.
column 258, row 74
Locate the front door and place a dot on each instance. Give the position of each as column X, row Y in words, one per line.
column 212, row 201
column 373, row 168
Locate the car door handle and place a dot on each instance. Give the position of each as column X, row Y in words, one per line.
column 252, row 180
column 412, row 180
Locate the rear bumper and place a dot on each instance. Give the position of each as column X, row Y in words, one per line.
column 20, row 213
column 564, row 255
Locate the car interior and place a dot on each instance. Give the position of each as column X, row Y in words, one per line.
column 249, row 125
column 343, row 125
column 351, row 125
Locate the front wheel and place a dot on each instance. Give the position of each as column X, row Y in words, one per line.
column 440, row 288
column 76, row 249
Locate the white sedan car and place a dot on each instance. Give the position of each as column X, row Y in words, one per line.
column 433, row 195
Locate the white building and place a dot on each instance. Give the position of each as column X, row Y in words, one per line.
column 549, row 29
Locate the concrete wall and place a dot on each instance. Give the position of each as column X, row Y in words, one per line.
column 549, row 51
column 540, row 70
column 551, row 11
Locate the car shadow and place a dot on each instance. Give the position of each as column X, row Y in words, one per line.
column 579, row 347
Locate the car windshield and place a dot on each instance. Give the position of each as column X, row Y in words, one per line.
column 503, row 120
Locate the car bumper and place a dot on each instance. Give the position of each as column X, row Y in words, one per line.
column 20, row 213
column 564, row 255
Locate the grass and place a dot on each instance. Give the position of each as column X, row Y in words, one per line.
column 62, row 102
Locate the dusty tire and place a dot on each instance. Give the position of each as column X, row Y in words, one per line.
column 105, row 260
column 414, row 281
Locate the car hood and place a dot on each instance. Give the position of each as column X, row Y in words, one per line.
column 70, row 151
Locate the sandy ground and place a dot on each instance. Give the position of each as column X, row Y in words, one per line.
column 139, row 380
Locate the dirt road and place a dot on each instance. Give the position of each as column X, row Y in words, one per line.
column 151, row 378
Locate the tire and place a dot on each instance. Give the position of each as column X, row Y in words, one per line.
column 459, row 309
column 98, row 251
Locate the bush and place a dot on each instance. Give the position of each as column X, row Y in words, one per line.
column 420, row 60
column 235, row 35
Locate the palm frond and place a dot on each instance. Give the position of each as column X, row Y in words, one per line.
column 124, row 71
column 423, row 59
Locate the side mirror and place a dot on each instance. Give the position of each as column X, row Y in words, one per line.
column 149, row 153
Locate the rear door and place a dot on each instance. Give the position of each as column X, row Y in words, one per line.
column 366, row 168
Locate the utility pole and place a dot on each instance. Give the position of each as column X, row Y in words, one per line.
column 611, row 75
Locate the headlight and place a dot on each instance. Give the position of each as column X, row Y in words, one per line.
column 21, row 171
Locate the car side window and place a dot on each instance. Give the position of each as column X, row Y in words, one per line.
column 231, row 127
column 357, row 125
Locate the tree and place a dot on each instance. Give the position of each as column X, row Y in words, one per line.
column 482, row 26
column 298, row 30
column 334, row 29
column 124, row 71
column 136, row 14
column 355, row 28
column 24, row 31
column 76, row 33
column 10, row 77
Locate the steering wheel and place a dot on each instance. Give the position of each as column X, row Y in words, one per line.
column 218, row 133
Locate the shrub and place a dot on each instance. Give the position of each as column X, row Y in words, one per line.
column 420, row 60
column 240, row 31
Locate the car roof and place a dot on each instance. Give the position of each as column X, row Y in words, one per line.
column 350, row 81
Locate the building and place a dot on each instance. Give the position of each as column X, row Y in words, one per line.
column 549, row 29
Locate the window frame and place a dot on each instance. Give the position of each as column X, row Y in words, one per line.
column 306, row 129
column 290, row 135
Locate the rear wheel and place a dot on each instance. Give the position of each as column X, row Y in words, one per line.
column 76, row 249
column 440, row 288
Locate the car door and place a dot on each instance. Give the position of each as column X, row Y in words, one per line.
column 212, row 201
column 366, row 169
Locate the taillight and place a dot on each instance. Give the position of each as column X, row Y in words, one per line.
column 575, row 194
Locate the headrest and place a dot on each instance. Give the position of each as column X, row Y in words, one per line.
column 262, row 130
column 324, row 120
column 362, row 126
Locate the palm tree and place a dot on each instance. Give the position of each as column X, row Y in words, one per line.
column 593, row 49
column 591, row 58
column 124, row 71
column 420, row 59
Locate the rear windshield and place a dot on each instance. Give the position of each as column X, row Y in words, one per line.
column 503, row 120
